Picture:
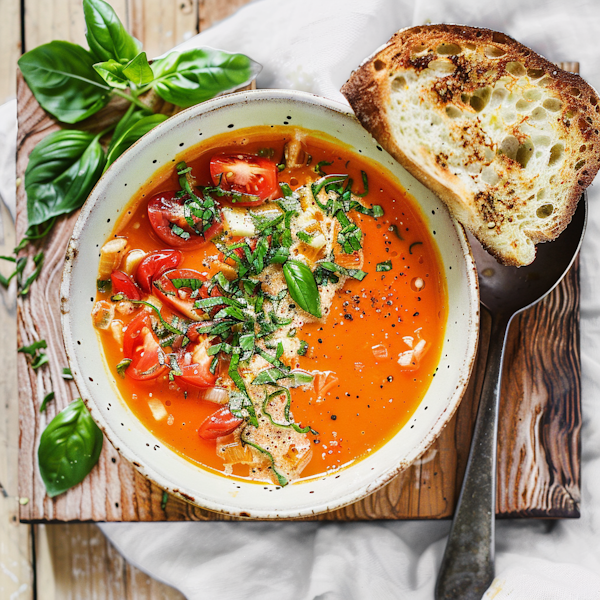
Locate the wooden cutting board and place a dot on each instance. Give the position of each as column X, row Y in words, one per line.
column 540, row 413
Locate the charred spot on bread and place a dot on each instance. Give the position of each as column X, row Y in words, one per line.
column 505, row 138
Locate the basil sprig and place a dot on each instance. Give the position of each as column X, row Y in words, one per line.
column 69, row 448
column 72, row 84
column 302, row 286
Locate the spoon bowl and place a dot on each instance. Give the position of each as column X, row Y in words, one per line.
column 512, row 289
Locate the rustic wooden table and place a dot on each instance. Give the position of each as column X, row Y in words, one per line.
column 48, row 562
column 539, row 436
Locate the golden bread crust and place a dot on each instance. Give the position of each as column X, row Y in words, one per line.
column 504, row 137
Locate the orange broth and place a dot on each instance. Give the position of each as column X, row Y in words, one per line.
column 374, row 397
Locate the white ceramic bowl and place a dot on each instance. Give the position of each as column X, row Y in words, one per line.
column 96, row 384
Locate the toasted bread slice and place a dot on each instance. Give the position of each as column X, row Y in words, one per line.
column 505, row 138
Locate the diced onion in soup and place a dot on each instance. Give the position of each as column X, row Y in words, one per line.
column 323, row 382
column 411, row 359
column 110, row 257
column 116, row 328
column 379, row 351
column 102, row 314
column 159, row 412
column 232, row 451
column 132, row 260
column 218, row 395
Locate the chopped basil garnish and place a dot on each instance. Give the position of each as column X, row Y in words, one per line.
column 413, row 245
column 394, row 229
column 286, row 411
column 193, row 284
column 319, row 167
column 104, row 286
column 303, row 348
column 386, row 265
column 122, row 366
column 241, row 406
column 280, row 478
column 179, row 232
column 47, row 398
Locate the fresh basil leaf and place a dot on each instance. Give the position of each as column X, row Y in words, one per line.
column 63, row 168
column 69, row 448
column 241, row 407
column 132, row 135
column 187, row 78
column 138, row 70
column 66, row 374
column 271, row 375
column 191, row 283
column 62, row 78
column 386, row 265
column 302, row 286
column 112, row 72
column 105, row 33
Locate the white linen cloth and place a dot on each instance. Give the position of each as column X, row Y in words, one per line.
column 313, row 45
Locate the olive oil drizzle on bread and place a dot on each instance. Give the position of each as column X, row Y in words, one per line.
column 507, row 140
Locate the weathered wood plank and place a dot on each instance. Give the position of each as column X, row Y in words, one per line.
column 76, row 561
column 212, row 11
column 16, row 570
column 161, row 24
column 10, row 48
column 48, row 20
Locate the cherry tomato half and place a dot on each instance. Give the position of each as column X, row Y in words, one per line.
column 246, row 174
column 141, row 346
column 166, row 210
column 181, row 298
column 154, row 264
column 220, row 423
column 123, row 284
column 194, row 363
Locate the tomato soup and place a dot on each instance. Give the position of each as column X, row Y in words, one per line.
column 272, row 306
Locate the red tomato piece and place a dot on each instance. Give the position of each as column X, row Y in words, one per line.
column 220, row 423
column 246, row 174
column 181, row 298
column 165, row 210
column 123, row 284
column 197, row 370
column 140, row 344
column 155, row 264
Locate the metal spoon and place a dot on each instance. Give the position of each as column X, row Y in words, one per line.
column 467, row 568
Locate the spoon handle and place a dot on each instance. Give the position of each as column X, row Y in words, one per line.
column 467, row 568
